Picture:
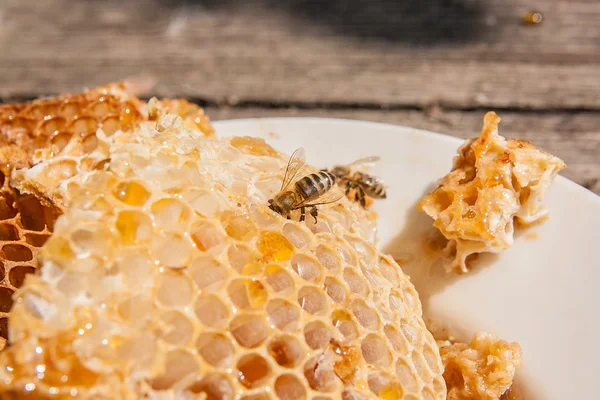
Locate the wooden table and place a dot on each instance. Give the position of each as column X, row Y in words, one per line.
column 437, row 64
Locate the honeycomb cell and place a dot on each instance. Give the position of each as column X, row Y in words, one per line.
column 57, row 172
column 203, row 202
column 51, row 126
column 397, row 339
column 216, row 349
column 263, row 218
column 174, row 289
column 238, row 226
column 135, row 309
column 274, row 246
column 179, row 329
column 252, row 370
column 6, row 300
column 308, row 268
column 243, row 259
column 389, row 271
column 249, row 330
column 375, row 351
column 421, row 366
column 328, row 258
column 17, row 275
column 344, row 322
column 312, row 300
column 356, row 283
column 7, row 210
column 319, row 374
column 345, row 253
column 134, row 266
column 365, row 315
column 70, row 109
column 35, row 239
column 289, row 387
column 208, row 273
column 179, row 364
column 296, row 235
column 317, row 335
column 247, row 294
column 92, row 240
column 60, row 140
column 8, row 232
column 206, row 236
column 211, row 311
column 392, row 391
column 214, row 386
column 83, row 125
column 283, row 314
column 286, row 351
column 406, row 376
column 279, row 279
column 431, row 356
column 336, row 290
column 170, row 214
column 346, row 364
column 132, row 193
column 172, row 250
column 89, row 143
column 411, row 333
column 133, row 226
column 363, row 248
column 2, row 272
column 428, row 394
column 110, row 124
column 16, row 252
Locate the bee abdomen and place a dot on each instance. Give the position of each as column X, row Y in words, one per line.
column 314, row 185
column 376, row 191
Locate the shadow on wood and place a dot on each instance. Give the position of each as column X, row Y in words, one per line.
column 424, row 22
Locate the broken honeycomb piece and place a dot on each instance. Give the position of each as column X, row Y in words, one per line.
column 493, row 183
column 42, row 129
column 483, row 369
column 228, row 301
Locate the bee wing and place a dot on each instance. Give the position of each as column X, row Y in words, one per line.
column 295, row 164
column 366, row 161
column 331, row 196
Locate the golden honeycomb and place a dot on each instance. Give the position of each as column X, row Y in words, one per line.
column 483, row 369
column 494, row 183
column 168, row 277
column 43, row 128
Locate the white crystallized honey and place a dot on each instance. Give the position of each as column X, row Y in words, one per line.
column 167, row 277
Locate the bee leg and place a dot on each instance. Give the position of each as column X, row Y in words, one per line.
column 314, row 212
column 348, row 188
column 360, row 196
column 302, row 214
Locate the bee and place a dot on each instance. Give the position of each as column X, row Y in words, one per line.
column 305, row 192
column 363, row 185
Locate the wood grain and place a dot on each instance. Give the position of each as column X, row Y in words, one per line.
column 473, row 55
column 574, row 137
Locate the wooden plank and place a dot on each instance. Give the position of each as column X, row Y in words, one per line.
column 574, row 137
column 460, row 55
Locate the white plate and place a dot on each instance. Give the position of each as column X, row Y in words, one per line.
column 542, row 292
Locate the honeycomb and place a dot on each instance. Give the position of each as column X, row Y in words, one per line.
column 494, row 182
column 481, row 370
column 44, row 128
column 168, row 277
